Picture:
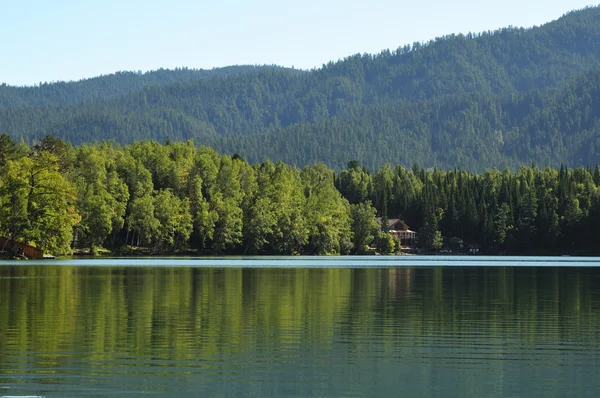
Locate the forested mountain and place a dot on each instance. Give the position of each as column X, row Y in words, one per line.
column 113, row 85
column 509, row 97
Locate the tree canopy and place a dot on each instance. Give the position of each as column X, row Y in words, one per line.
column 177, row 196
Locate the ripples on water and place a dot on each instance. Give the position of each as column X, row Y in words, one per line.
column 393, row 330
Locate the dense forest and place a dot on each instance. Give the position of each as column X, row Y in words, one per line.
column 178, row 197
column 493, row 99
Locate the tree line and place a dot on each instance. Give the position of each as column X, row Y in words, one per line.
column 176, row 196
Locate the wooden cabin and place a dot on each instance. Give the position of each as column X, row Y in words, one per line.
column 399, row 229
column 12, row 246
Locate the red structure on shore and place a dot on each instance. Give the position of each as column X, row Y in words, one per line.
column 12, row 246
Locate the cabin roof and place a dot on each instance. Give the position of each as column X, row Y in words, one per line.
column 395, row 224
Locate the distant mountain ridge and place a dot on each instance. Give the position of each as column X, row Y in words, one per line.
column 495, row 99
column 113, row 85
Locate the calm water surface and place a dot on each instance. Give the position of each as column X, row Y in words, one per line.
column 357, row 326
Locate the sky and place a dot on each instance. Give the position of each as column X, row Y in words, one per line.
column 64, row 40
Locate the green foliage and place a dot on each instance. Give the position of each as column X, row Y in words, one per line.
column 355, row 183
column 327, row 213
column 364, row 226
column 8, row 149
column 430, row 237
column 102, row 194
column 141, row 220
column 385, row 243
column 502, row 226
column 14, row 191
column 173, row 215
column 495, row 99
column 37, row 203
column 164, row 198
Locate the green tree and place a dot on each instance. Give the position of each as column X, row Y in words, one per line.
column 385, row 243
column 38, row 203
column 327, row 213
column 364, row 226
column 355, row 184
column 8, row 149
column 173, row 215
column 102, row 195
column 227, row 203
column 142, row 221
column 291, row 232
column 502, row 227
column 430, row 236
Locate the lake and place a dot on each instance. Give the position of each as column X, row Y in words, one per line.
column 309, row 326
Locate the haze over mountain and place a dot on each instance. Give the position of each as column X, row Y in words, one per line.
column 509, row 97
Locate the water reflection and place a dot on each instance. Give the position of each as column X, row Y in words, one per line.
column 418, row 331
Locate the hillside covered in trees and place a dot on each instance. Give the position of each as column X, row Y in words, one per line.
column 177, row 197
column 493, row 99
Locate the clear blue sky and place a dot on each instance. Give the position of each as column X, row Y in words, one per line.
column 44, row 40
